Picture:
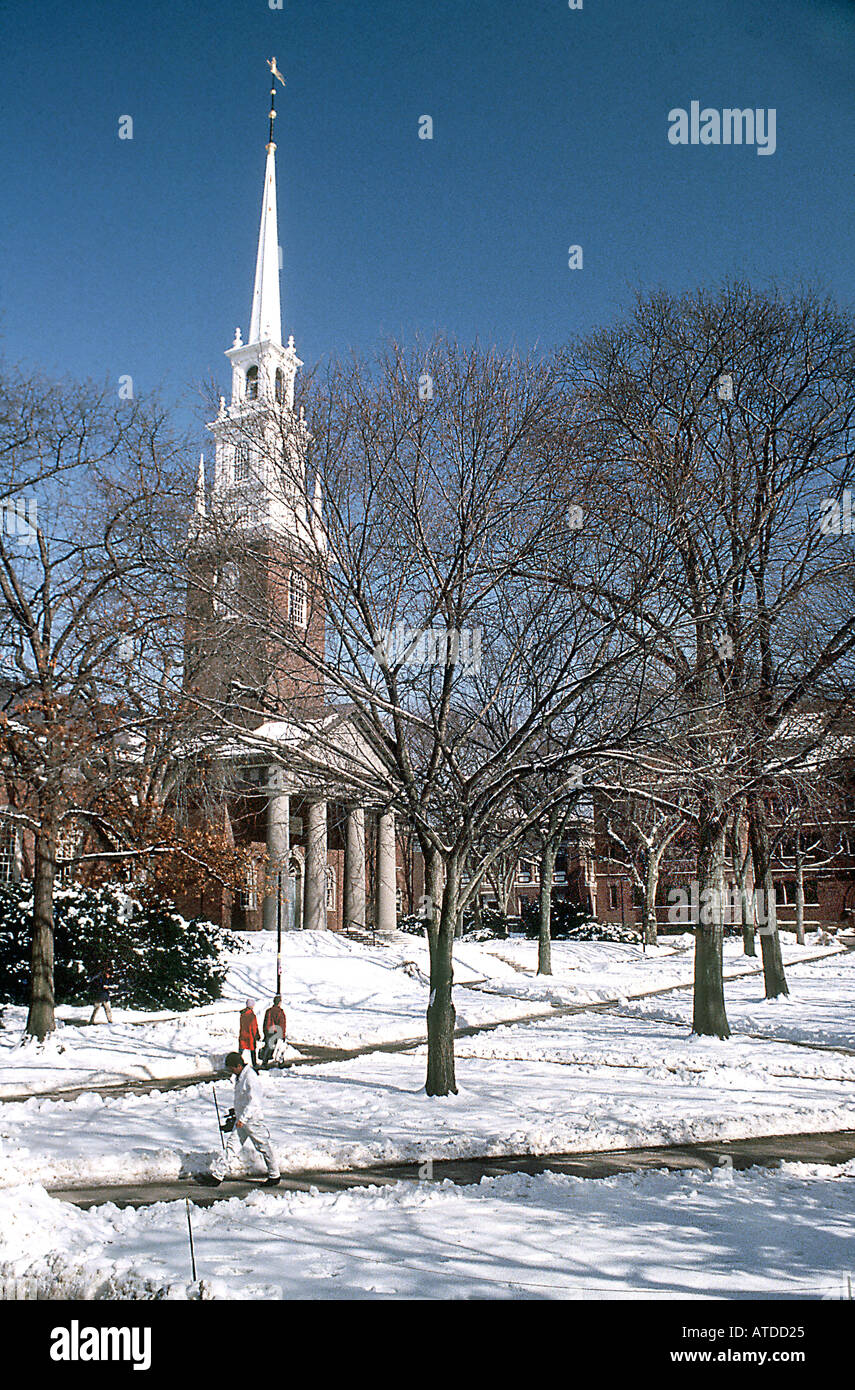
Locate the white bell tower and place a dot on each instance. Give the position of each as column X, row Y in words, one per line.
column 260, row 470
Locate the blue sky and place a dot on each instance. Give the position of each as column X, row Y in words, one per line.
column 550, row 129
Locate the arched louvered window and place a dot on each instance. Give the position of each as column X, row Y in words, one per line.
column 226, row 587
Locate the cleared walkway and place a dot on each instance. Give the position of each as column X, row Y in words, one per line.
column 767, row 1151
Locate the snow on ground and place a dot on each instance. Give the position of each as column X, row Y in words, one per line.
column 105, row 1054
column 337, row 993
column 818, row 1009
column 753, row 1234
column 588, row 1081
column 576, row 1083
column 590, row 971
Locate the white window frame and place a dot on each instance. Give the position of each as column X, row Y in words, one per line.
column 298, row 599
column 786, row 890
column 10, row 853
column 240, row 464
column 68, row 842
column 331, row 886
column 250, row 890
column 226, row 589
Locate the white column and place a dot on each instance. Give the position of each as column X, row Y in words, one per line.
column 278, row 849
column 315, row 909
column 354, row 870
column 387, row 916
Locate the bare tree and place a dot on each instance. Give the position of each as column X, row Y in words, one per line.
column 84, row 587
column 740, row 854
column 551, row 831
column 644, row 831
column 449, row 477
column 726, row 419
column 805, row 831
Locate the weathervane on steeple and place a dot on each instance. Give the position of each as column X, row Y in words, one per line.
column 274, row 73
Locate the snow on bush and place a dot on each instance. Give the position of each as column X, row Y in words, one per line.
column 413, row 925
column 494, row 924
column 601, row 931
column 158, row 959
column 569, row 922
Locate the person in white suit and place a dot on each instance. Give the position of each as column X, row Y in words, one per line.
column 249, row 1123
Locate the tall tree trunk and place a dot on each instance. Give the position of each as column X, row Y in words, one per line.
column 746, row 916
column 800, row 890
column 651, row 885
column 770, row 943
column 746, row 902
column 544, row 934
column 709, row 1017
column 504, row 905
column 40, row 1018
column 440, row 1014
column 433, row 893
column 476, row 912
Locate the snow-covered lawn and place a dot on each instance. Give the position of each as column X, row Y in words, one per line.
column 819, row 1008
column 588, row 971
column 587, row 1081
column 336, row 993
column 576, row 1083
column 342, row 994
column 754, row 1234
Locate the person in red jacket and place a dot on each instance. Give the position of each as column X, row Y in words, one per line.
column 274, row 1029
column 249, row 1032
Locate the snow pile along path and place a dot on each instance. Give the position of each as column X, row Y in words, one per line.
column 817, row 1011
column 752, row 1234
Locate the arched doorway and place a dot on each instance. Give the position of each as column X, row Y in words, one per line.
column 296, row 870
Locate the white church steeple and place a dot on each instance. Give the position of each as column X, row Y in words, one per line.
column 261, row 368
column 200, row 504
column 266, row 320
column 260, row 470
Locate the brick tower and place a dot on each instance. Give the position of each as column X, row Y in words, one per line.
column 255, row 629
